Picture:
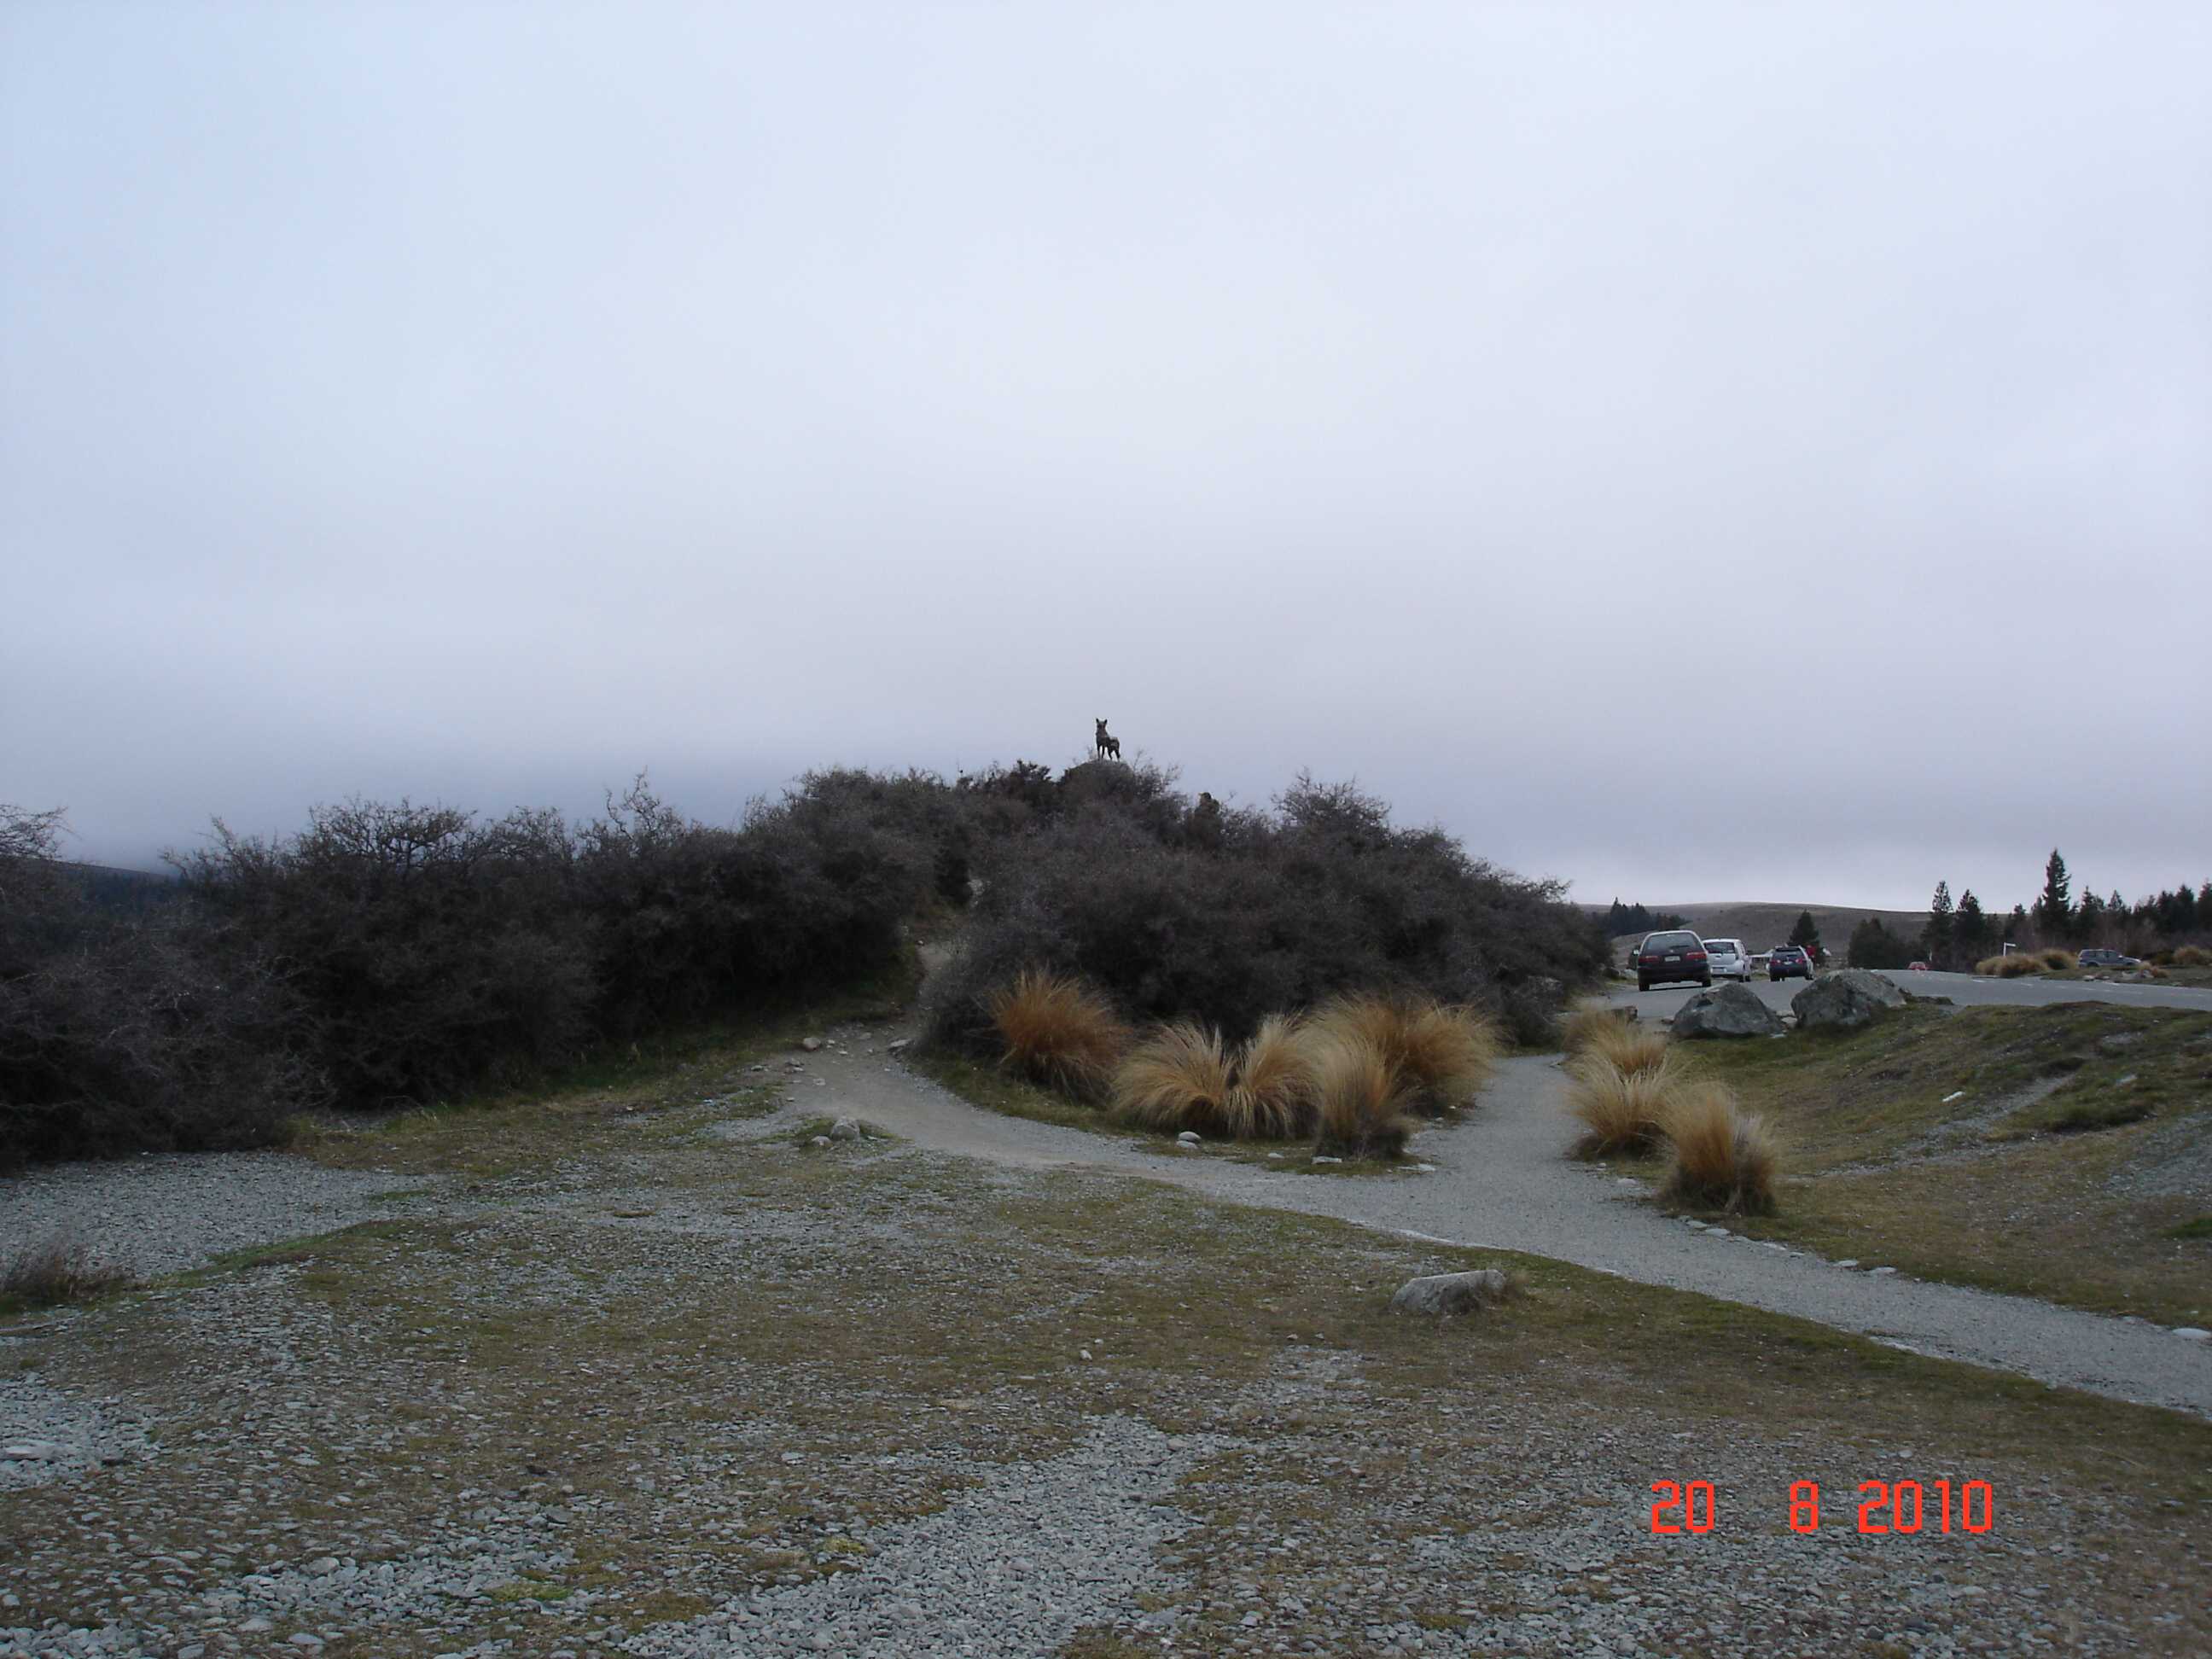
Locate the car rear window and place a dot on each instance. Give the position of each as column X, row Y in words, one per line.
column 1728, row 945
column 1671, row 942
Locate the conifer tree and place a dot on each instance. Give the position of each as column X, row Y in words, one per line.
column 1935, row 937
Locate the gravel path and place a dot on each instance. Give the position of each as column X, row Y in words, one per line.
column 1501, row 1181
column 153, row 1215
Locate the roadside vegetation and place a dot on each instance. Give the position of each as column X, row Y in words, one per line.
column 57, row 1272
column 1637, row 1096
column 1351, row 1076
column 393, row 956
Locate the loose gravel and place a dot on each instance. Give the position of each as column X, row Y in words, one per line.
column 169, row 1213
column 717, row 1393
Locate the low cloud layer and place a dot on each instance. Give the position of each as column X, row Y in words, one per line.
column 1700, row 452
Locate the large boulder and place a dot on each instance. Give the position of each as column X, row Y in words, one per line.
column 1733, row 1010
column 1845, row 1001
column 1451, row 1293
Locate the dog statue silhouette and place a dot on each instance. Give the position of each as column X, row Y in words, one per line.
column 1106, row 742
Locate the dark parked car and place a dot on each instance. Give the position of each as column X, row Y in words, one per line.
column 1676, row 956
column 1789, row 961
column 2109, row 959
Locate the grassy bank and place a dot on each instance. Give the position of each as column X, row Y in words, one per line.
column 2061, row 1153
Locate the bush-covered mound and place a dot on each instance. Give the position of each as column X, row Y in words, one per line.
column 1223, row 917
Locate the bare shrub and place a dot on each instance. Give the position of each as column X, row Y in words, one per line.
column 57, row 1273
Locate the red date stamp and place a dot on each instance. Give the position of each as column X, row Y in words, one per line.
column 1884, row 1506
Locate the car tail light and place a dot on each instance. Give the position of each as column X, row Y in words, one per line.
column 1693, row 956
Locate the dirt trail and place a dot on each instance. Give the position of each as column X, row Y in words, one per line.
column 1501, row 1180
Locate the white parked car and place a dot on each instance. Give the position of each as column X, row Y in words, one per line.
column 1729, row 959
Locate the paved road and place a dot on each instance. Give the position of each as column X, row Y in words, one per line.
column 1502, row 1180
column 1965, row 989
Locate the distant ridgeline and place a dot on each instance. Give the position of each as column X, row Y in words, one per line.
column 107, row 888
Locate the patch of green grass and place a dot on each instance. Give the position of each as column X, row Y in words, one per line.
column 2027, row 1181
column 2199, row 1228
column 995, row 1090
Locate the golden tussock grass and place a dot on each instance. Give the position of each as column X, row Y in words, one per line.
column 2014, row 966
column 2192, row 955
column 1178, row 1078
column 1359, row 1099
column 1441, row 1055
column 1271, row 1098
column 1606, row 1034
column 1620, row 1111
column 1723, row 1158
column 2057, row 961
column 1058, row 1031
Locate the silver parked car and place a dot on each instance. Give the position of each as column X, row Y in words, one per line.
column 1729, row 959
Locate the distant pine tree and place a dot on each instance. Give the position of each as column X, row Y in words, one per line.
column 1807, row 933
column 1970, row 928
column 1936, row 936
column 2054, row 908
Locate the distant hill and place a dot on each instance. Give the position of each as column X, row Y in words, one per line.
column 114, row 889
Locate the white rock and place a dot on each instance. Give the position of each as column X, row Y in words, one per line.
column 1188, row 1137
column 898, row 1047
column 2192, row 1334
column 1848, row 1261
column 819, row 1140
column 1956, row 1094
column 1325, row 1158
column 1882, row 1271
column 812, row 1045
column 34, row 1451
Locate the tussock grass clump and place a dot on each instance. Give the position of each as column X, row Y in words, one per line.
column 2017, row 965
column 1179, row 1077
column 1057, row 1031
column 2192, row 955
column 57, row 1273
column 1621, row 1111
column 1724, row 1159
column 1606, row 1034
column 1441, row 1055
column 1271, row 1098
column 2057, row 961
column 1360, row 1099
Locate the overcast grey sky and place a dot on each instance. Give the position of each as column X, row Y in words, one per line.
column 1704, row 452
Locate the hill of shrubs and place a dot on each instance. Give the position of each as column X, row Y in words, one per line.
column 395, row 954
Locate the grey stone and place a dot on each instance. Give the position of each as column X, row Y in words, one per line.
column 2192, row 1333
column 844, row 1129
column 812, row 1045
column 1845, row 999
column 34, row 1451
column 1451, row 1293
column 1733, row 1010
